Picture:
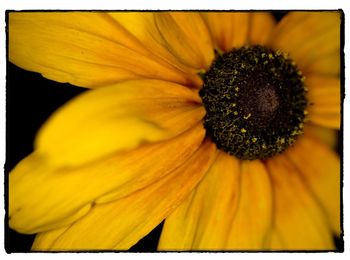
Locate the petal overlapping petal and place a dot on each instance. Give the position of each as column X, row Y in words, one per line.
column 184, row 43
column 327, row 136
column 323, row 180
column 66, row 194
column 202, row 220
column 87, row 49
column 228, row 29
column 262, row 25
column 230, row 209
column 120, row 224
column 299, row 223
column 254, row 213
column 186, row 37
column 311, row 39
column 236, row 29
column 324, row 98
column 117, row 118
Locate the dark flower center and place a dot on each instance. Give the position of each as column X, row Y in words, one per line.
column 255, row 102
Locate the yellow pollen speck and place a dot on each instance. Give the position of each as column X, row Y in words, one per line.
column 201, row 72
column 247, row 116
column 263, row 146
column 236, row 88
column 233, row 104
column 235, row 113
column 254, row 139
column 305, row 112
column 243, row 130
column 270, row 56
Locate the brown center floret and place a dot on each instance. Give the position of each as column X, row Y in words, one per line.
column 255, row 102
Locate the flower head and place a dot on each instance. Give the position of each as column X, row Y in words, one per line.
column 215, row 122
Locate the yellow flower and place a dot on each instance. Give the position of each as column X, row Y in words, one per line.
column 140, row 146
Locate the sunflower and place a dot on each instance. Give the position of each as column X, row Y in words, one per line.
column 220, row 124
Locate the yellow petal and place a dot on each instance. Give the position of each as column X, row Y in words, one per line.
column 299, row 222
column 201, row 222
column 328, row 66
column 65, row 194
column 143, row 27
column 261, row 26
column 228, row 29
column 117, row 118
column 324, row 96
column 320, row 169
column 253, row 218
column 86, row 49
column 230, row 209
column 308, row 36
column 326, row 135
column 44, row 240
column 120, row 224
column 185, row 35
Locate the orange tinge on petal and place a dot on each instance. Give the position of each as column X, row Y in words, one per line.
column 228, row 30
column 87, row 49
column 322, row 179
column 299, row 221
column 312, row 39
column 120, row 224
column 117, row 118
column 235, row 29
column 229, row 210
column 88, row 134
column 186, row 37
column 324, row 98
